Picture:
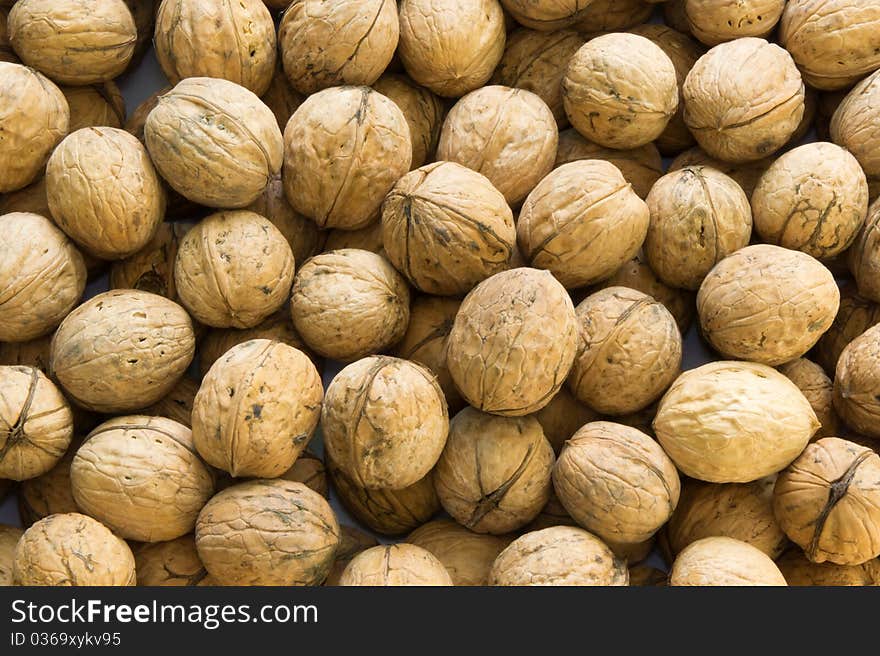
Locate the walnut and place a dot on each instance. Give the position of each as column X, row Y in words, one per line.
column 855, row 125
column 817, row 389
column 798, row 570
column 423, row 112
column 855, row 316
column 864, row 256
column 562, row 417
column 715, row 22
column 309, row 469
column 172, row 563
column 745, row 174
column 98, row 105
column 612, row 15
column 723, row 561
column 352, row 541
column 466, row 555
column 857, row 383
column 395, row 565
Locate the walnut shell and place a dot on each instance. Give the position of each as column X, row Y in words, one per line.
column 104, row 192
column 466, row 555
column 641, row 166
column 834, row 42
column 177, row 404
column 234, row 41
column 384, row 422
column 722, row 561
column 344, row 148
column 546, row 15
column 613, row 15
column 42, row 276
column 142, row 478
column 857, row 383
column 9, row 537
column 309, row 470
column 767, row 304
column 620, row 90
column 798, row 570
column 813, row 199
column 122, row 350
column 743, row 511
column 735, row 114
column 509, row 135
column 72, row 550
column 745, row 174
column 616, row 482
column 855, row 316
column 172, row 563
column 562, row 417
column 494, row 474
column 73, row 42
column 446, row 228
column 855, row 125
column 451, row 47
column 422, row 110
column 214, row 142
column 352, row 541
column 151, row 269
column 257, row 409
column 233, row 269
column 35, row 118
column 389, row 512
column 395, row 565
column 699, row 216
column 328, row 43
column 281, row 97
column 559, row 555
column 733, row 422
column 536, row 61
column 430, row 322
column 828, row 502
column 98, row 105
column 864, row 256
column 629, row 351
column 513, row 342
column 817, row 388
column 49, row 493
column 36, row 424
column 267, row 532
column 714, row 22
column 349, row 303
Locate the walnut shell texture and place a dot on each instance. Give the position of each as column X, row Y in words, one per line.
column 172, row 563
column 395, row 565
column 855, row 316
column 864, row 255
column 857, row 383
column 745, row 174
column 723, row 561
column 423, row 112
column 177, row 404
column 798, row 570
column 546, row 15
column 715, row 22
column 562, row 417
column 466, row 555
column 855, row 125
column 98, row 105
column 818, row 390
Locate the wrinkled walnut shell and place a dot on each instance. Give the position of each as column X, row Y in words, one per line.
column 855, row 316
column 857, row 383
column 99, row 105
column 395, row 565
column 466, row 555
column 817, row 388
column 172, row 563
column 423, row 112
column 864, row 255
column 722, row 561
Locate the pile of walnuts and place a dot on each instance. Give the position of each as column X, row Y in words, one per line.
column 426, row 259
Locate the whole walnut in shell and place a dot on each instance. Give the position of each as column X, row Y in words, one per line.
column 141, row 477
column 817, row 388
column 857, row 384
column 172, row 563
column 864, row 255
column 267, row 532
column 855, row 125
column 745, row 174
column 9, row 537
column 344, row 148
column 257, row 409
column 584, row 202
column 536, row 61
column 177, row 404
column 735, row 114
column 327, row 43
column 214, row 142
column 562, row 417
column 743, row 511
column 620, row 90
column 98, row 105
column 122, row 350
column 714, row 22
column 513, row 342
column 559, row 555
column 813, row 199
column 72, row 550
column 151, row 269
column 384, row 422
column 42, row 276
column 546, row 15
column 834, row 42
column 35, row 118
column 699, row 216
column 629, row 351
column 641, row 166
column 36, row 424
column 395, row 565
column 494, row 474
column 509, row 135
column 423, row 112
column 451, row 47
column 104, row 193
column 386, row 511
column 733, row 422
column 828, row 502
column 73, row 42
column 430, row 322
column 855, row 316
column 233, row 269
column 798, row 570
column 466, row 555
column 49, row 493
column 767, row 304
column 616, row 482
column 234, row 41
column 309, row 469
column 612, row 15
column 723, row 561
column 446, row 228
column 349, row 303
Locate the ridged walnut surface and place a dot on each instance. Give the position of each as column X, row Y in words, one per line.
column 172, row 563
column 857, row 384
column 421, row 108
column 395, row 565
column 864, row 255
column 714, row 22
column 466, row 555
column 855, row 125
column 722, row 561
column 817, row 387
